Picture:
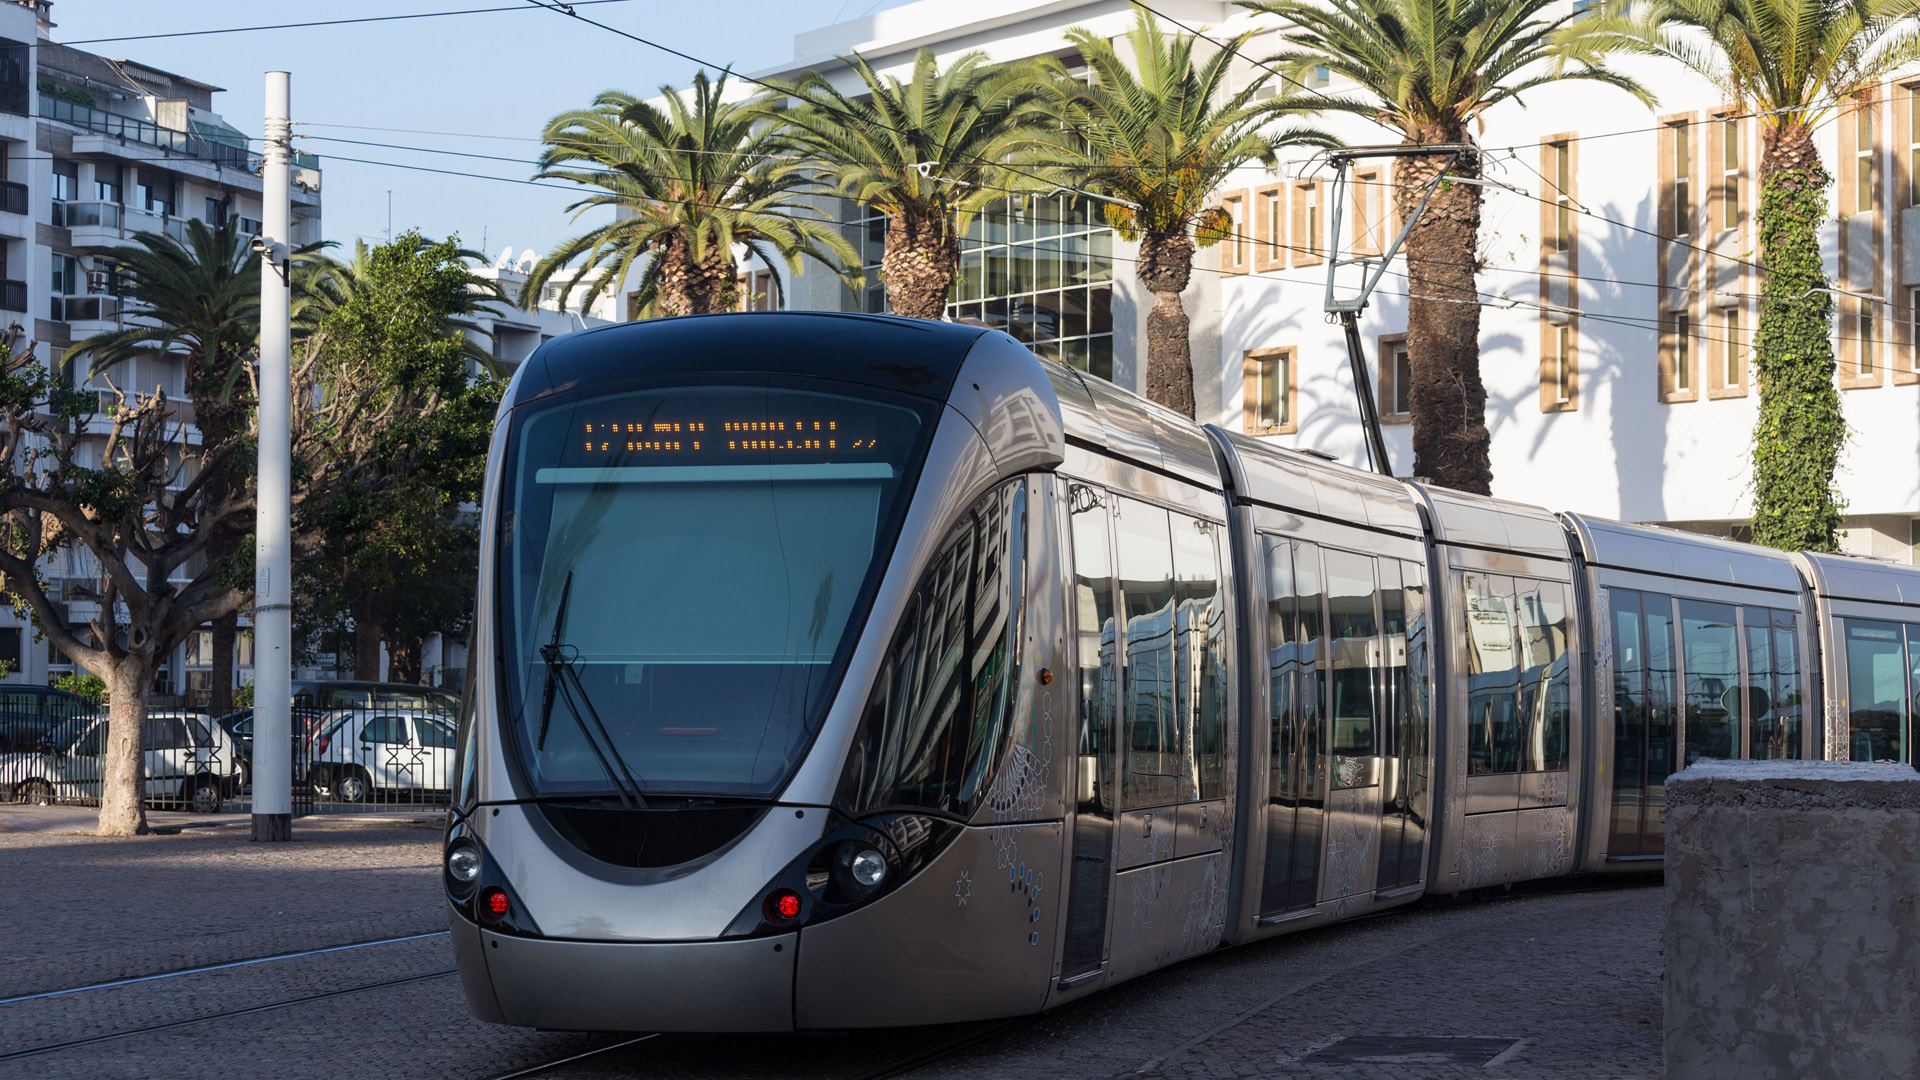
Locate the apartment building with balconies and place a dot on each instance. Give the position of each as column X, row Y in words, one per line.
column 94, row 152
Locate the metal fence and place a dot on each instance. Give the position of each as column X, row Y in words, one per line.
column 342, row 759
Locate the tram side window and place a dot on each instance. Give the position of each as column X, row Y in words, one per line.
column 1878, row 701
column 1546, row 702
column 1419, row 646
column 1493, row 676
column 1283, row 675
column 936, row 725
column 1355, row 656
column 1201, row 623
column 1093, row 598
column 1710, row 658
column 1152, row 774
column 1773, row 684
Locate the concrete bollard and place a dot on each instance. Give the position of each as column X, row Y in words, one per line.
column 1793, row 921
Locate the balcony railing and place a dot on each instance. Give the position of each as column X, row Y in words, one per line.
column 83, row 215
column 142, row 131
column 13, row 296
column 13, row 197
column 13, row 98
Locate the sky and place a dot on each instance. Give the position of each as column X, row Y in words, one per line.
column 488, row 81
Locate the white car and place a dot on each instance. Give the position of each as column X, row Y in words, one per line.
column 356, row 752
column 188, row 762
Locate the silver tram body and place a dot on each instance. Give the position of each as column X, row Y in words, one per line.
column 1024, row 686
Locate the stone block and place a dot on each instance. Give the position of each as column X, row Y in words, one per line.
column 1792, row 921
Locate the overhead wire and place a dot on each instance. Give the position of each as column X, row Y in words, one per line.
column 307, row 25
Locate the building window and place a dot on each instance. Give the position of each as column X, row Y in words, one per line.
column 1730, row 362
column 65, row 276
column 1913, row 312
column 1267, row 388
column 66, row 181
column 1730, row 174
column 1396, row 379
column 1863, row 159
column 1913, row 150
column 1307, row 241
column 1682, row 354
column 757, row 290
column 156, row 196
column 1234, row 248
column 1865, row 358
column 1269, row 251
column 1369, row 221
column 1560, row 160
column 106, row 183
column 1040, row 269
column 1682, row 182
column 1563, row 365
column 216, row 212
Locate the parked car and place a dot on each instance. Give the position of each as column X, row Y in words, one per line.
column 29, row 713
column 360, row 752
column 239, row 727
column 344, row 694
column 189, row 762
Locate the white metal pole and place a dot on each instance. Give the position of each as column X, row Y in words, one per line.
column 273, row 529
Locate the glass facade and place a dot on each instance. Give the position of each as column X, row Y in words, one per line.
column 1040, row 269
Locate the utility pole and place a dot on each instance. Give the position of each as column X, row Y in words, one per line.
column 273, row 528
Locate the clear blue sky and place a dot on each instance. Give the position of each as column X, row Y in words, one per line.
column 499, row 74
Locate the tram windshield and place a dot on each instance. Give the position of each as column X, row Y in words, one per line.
column 722, row 544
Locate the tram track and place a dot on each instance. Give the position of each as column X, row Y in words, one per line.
column 92, row 1040
column 222, row 966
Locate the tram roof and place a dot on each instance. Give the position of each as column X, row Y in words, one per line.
column 915, row 356
column 1672, row 553
column 1851, row 577
column 1481, row 521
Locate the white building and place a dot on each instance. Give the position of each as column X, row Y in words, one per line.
column 1615, row 335
column 517, row 331
column 94, row 151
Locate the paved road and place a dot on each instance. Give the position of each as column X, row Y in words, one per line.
column 1560, row 983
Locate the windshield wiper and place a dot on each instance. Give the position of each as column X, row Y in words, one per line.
column 559, row 659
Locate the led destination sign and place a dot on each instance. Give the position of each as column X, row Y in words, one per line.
column 716, row 438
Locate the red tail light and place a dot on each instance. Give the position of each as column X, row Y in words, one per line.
column 782, row 906
column 495, row 906
column 320, row 745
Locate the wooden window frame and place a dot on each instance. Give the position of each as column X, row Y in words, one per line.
column 1550, row 360
column 1236, row 255
column 1269, row 250
column 1250, row 391
column 1309, row 244
column 1369, row 212
column 1851, row 310
column 1682, row 342
column 1728, row 331
column 1903, row 345
column 1383, row 367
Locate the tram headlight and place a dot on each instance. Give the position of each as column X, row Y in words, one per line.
column 463, row 864
column 868, row 867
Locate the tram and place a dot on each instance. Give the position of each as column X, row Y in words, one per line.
column 836, row 671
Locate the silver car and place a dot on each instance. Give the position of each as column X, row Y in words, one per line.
column 356, row 753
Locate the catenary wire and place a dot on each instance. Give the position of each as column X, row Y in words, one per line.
column 309, row 24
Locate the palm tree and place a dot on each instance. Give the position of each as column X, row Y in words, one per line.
column 686, row 183
column 1429, row 69
column 926, row 152
column 1794, row 63
column 197, row 299
column 1153, row 138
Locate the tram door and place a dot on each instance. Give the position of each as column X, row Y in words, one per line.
column 1095, row 803
column 1644, row 733
column 1296, row 770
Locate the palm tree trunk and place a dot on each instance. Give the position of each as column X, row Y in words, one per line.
column 1166, row 265
column 922, row 255
column 1451, row 446
column 696, row 287
column 1797, row 438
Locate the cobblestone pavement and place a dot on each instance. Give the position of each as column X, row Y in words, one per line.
column 1566, row 983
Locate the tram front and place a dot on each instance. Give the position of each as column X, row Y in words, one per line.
column 688, row 525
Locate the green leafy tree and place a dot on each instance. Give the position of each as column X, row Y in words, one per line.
column 1156, row 131
column 197, row 300
column 1430, row 68
column 1794, row 63
column 398, row 443
column 133, row 523
column 686, row 183
column 926, row 152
